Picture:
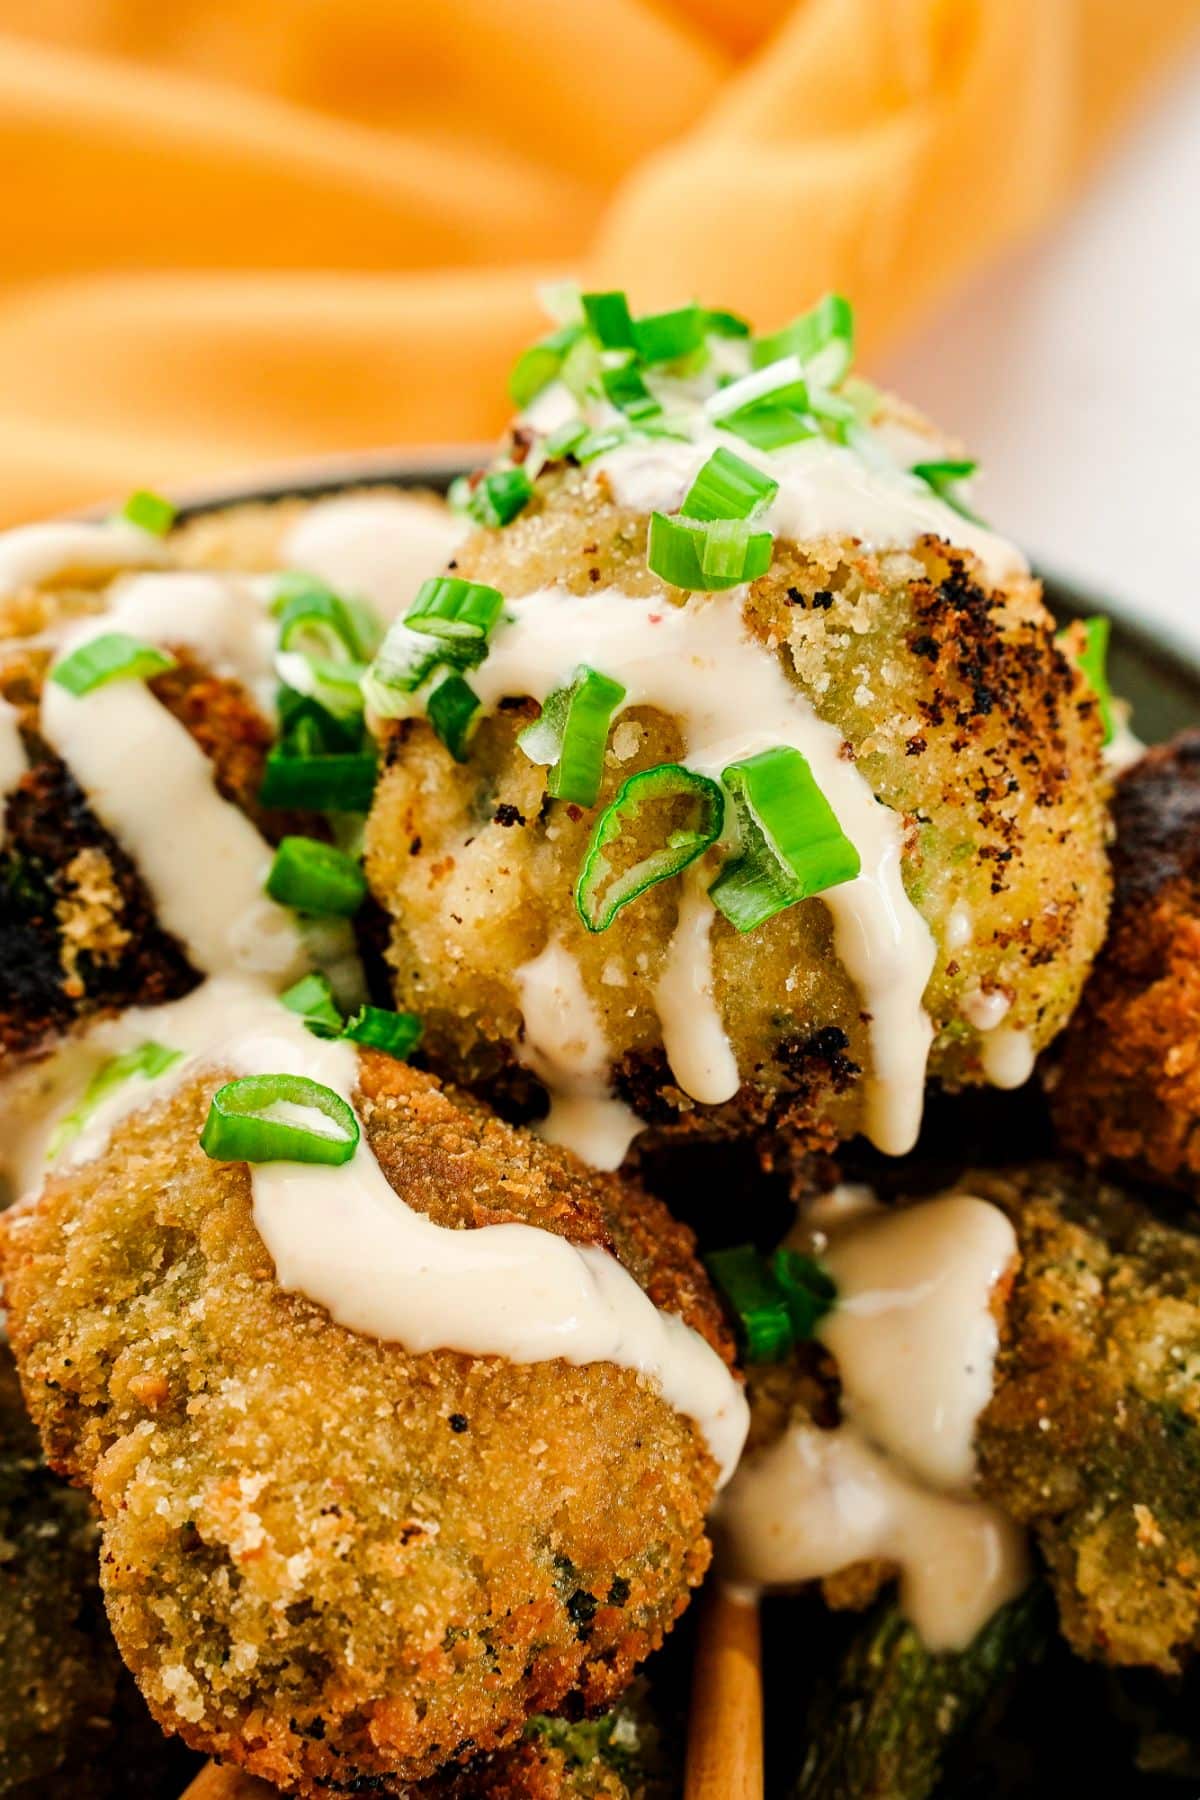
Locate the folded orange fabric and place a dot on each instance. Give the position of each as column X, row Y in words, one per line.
column 247, row 231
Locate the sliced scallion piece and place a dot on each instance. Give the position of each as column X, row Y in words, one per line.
column 626, row 390
column 313, row 618
column 541, row 364
column 455, row 611
column 600, row 890
column 312, row 999
column 808, row 1289
column 316, row 878
column 572, row 735
column 113, row 656
column 705, row 556
column 943, row 477
column 822, row 339
column 319, row 782
column 769, row 427
column 396, row 1033
column 148, row 1060
column 405, row 662
column 149, row 512
column 758, row 1306
column 725, row 324
column 1092, row 662
column 780, row 383
column 451, row 706
column 333, row 684
column 791, row 843
column 247, row 1122
column 562, row 442
column 609, row 319
column 500, row 496
column 668, row 336
column 727, row 487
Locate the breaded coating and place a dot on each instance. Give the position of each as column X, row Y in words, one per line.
column 621, row 1755
column 1127, row 1085
column 959, row 710
column 1093, row 1433
column 78, row 932
column 326, row 1559
column 72, row 1724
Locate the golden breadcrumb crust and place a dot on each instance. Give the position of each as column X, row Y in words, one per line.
column 1127, row 1085
column 959, row 710
column 324, row 1558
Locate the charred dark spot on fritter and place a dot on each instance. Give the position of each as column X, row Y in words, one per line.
column 820, row 1058
column 506, row 814
column 48, row 825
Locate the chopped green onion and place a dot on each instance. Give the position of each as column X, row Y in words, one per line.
column 582, row 368
column 572, row 735
column 450, row 709
column 405, row 662
column 312, row 998
column 452, row 609
column 943, row 477
column 500, row 496
column 149, row 512
column 823, row 339
column 240, row 1126
column 668, row 336
column 705, row 556
column 609, row 320
column 600, row 892
column 316, row 878
column 728, row 488
column 335, row 686
column 781, row 383
column 625, row 388
column 791, row 843
column 397, row 1033
column 563, row 441
column 761, row 1318
column 726, row 324
column 113, row 656
column 309, row 729
column 148, row 1060
column 321, row 782
column 541, row 364
column 308, row 609
column 769, row 427
column 808, row 1289
column 1092, row 662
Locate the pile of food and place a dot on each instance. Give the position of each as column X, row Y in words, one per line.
column 419, row 920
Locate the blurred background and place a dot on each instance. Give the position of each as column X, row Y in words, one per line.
column 246, row 232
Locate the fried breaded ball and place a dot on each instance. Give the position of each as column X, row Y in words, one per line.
column 1093, row 1433
column 78, row 931
column 960, row 712
column 1126, row 1087
column 326, row 1559
column 621, row 1755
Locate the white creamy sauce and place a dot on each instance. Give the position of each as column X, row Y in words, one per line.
column 699, row 664
column 816, row 1501
column 915, row 1340
column 960, row 927
column 343, row 1237
column 1124, row 748
column 1008, row 1056
column 985, row 1008
column 913, row 1332
column 61, row 549
column 565, row 1046
column 825, row 490
column 12, row 756
column 225, row 619
column 152, row 787
column 693, row 1033
column 378, row 546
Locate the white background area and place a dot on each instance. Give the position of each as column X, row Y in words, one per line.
column 1073, row 373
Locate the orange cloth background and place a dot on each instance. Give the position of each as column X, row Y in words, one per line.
column 244, row 231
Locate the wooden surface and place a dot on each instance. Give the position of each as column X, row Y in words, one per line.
column 725, row 1719
column 219, row 1783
